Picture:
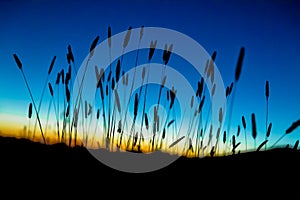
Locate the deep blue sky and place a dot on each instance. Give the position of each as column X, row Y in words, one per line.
column 269, row 31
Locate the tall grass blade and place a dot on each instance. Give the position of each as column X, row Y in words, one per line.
column 200, row 87
column 109, row 76
column 212, row 151
column 97, row 73
column 146, row 121
column 296, row 145
column 293, row 127
column 267, row 93
column 68, row 111
column 118, row 71
column 98, row 114
column 85, row 109
column 269, row 130
column 113, row 83
column 172, row 97
column 201, row 104
column 164, row 134
column 220, row 115
column 119, row 127
column 214, row 55
column 106, row 90
column 176, row 142
column 62, row 75
column 288, row 131
column 261, row 145
column 50, row 89
column 254, row 130
column 141, row 32
column 239, row 64
column 100, row 86
column 233, row 141
column 267, row 90
column 117, row 99
column 30, row 111
column 152, row 49
column 70, row 53
column 227, row 92
column 51, row 65
column 170, row 123
column 126, row 80
column 68, row 59
column 230, row 88
column 136, row 103
column 224, row 137
column 244, row 122
column 19, row 64
column 213, row 90
column 123, row 77
column 206, row 68
column 93, row 46
column 68, row 96
column 168, row 95
column 101, row 74
column 127, row 37
column 109, row 36
column 143, row 73
column 57, row 79
column 238, row 131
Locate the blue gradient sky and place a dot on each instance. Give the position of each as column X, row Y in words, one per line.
column 269, row 31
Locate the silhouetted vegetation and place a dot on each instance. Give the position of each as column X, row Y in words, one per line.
column 111, row 117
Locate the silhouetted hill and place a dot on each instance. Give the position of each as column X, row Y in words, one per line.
column 23, row 160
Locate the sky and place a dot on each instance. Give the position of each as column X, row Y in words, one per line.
column 269, row 31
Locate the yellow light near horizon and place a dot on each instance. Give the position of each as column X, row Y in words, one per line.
column 13, row 126
column 17, row 126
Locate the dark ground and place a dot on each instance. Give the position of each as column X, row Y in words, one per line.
column 24, row 163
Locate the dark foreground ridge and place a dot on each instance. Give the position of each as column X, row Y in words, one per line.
column 22, row 159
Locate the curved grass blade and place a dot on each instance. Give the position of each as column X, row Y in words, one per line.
column 293, row 127
column 176, row 142
column 261, row 145
column 170, row 123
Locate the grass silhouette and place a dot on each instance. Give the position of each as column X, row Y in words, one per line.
column 202, row 137
column 19, row 64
